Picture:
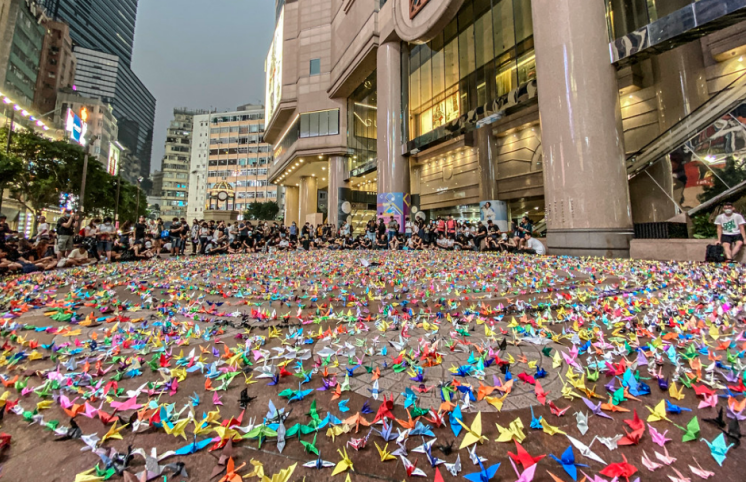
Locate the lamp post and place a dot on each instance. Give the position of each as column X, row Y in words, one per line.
column 137, row 209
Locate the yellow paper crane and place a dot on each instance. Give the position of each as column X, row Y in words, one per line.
column 497, row 402
column 384, row 453
column 113, row 432
column 513, row 432
column 344, row 464
column 677, row 393
column 473, row 434
column 550, row 429
column 658, row 413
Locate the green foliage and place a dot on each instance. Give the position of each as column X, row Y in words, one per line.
column 733, row 173
column 262, row 211
column 704, row 228
column 49, row 168
column 10, row 168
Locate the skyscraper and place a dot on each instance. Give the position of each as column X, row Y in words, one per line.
column 106, row 76
column 105, row 25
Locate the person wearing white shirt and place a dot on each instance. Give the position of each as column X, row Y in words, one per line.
column 731, row 233
column 43, row 229
column 533, row 245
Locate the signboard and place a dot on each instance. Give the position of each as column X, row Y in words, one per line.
column 273, row 68
column 112, row 167
column 495, row 211
column 415, row 6
column 76, row 127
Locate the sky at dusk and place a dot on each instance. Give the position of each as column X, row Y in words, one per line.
column 201, row 54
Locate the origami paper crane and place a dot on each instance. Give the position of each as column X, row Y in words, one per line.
column 484, row 475
column 718, row 449
column 474, row 433
column 568, row 462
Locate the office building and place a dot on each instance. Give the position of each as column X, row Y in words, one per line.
column 103, row 25
column 229, row 162
column 101, row 132
column 107, row 77
column 56, row 68
column 566, row 111
column 171, row 183
column 20, row 48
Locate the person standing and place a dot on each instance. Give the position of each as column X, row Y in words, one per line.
column 140, row 229
column 194, row 234
column 175, row 234
column 65, row 231
column 293, row 231
column 42, row 230
column 105, row 235
column 451, row 227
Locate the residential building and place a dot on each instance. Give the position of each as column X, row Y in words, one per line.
column 56, row 68
column 574, row 113
column 20, row 48
column 229, row 162
column 101, row 126
column 104, row 25
column 171, row 183
column 107, row 77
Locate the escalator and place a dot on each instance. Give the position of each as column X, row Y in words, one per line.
column 699, row 146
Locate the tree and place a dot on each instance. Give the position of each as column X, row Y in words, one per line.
column 262, row 211
column 11, row 169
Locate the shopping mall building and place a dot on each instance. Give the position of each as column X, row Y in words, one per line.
column 589, row 116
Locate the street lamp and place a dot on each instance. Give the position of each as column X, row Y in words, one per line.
column 137, row 209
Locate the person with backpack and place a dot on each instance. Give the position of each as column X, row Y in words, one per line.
column 731, row 232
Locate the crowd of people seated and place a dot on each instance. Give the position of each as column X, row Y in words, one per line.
column 98, row 241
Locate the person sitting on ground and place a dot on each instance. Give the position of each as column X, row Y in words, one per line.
column 443, row 242
column 77, row 257
column 394, row 243
column 140, row 251
column 462, row 243
column 731, row 232
column 235, row 246
column 381, row 241
column 364, row 242
column 282, row 243
column 532, row 245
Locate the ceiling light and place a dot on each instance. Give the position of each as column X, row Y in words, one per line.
column 301, row 160
column 323, row 169
column 321, row 157
column 323, row 179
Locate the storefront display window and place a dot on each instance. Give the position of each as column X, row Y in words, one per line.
column 484, row 53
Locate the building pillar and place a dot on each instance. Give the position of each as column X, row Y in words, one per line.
column 309, row 198
column 487, row 163
column 585, row 180
column 291, row 205
column 339, row 189
column 393, row 167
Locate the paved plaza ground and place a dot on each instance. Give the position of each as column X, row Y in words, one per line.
column 166, row 349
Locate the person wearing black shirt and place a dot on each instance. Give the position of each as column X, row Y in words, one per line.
column 65, row 231
column 381, row 241
column 481, row 234
column 4, row 230
column 140, row 229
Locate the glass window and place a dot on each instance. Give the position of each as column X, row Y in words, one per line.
column 324, row 123
column 502, row 25
column 524, row 26
column 437, row 63
column 483, row 34
column 505, row 78
column 315, row 66
column 466, row 53
column 334, row 122
column 314, row 124
column 426, row 92
column 451, row 63
column 526, row 67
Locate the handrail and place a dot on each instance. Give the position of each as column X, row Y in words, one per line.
column 677, row 135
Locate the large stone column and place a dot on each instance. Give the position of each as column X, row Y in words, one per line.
column 681, row 87
column 291, row 205
column 487, row 163
column 393, row 167
column 308, row 198
column 585, row 180
column 339, row 189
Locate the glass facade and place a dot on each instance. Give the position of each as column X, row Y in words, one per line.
column 104, row 76
column 483, row 54
column 25, row 53
column 362, row 126
column 625, row 16
column 106, row 25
